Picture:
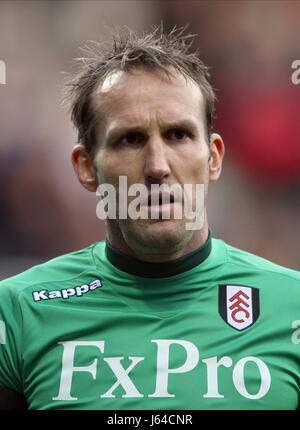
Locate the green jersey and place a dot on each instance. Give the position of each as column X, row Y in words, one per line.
column 94, row 329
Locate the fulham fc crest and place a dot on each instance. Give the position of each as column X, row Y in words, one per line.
column 239, row 305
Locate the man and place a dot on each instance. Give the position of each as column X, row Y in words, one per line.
column 158, row 316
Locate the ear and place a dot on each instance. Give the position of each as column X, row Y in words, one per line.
column 84, row 169
column 217, row 151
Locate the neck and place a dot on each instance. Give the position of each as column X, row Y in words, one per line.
column 116, row 240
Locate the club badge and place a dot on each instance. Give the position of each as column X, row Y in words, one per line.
column 239, row 305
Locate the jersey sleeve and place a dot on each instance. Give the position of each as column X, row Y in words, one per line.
column 10, row 339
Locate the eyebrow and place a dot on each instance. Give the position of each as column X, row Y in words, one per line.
column 116, row 132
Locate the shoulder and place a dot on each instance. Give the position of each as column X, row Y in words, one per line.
column 246, row 261
column 60, row 269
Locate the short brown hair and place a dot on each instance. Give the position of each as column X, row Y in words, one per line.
column 127, row 50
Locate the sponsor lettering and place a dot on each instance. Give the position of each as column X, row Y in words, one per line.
column 164, row 372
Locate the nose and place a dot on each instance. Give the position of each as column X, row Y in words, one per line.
column 156, row 165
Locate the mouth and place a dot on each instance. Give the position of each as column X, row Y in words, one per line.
column 159, row 205
column 159, row 199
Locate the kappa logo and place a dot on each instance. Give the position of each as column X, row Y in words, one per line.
column 239, row 305
column 67, row 292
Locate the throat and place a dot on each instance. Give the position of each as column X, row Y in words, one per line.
column 158, row 269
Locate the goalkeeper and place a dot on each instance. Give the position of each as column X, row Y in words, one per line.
column 158, row 315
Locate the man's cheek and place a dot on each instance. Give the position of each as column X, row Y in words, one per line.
column 199, row 174
column 107, row 173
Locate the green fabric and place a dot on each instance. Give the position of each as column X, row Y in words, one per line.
column 167, row 333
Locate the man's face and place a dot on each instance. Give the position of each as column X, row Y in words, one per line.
column 153, row 132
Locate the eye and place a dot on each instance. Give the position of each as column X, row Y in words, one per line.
column 177, row 134
column 133, row 138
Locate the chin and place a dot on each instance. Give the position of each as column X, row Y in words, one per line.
column 158, row 237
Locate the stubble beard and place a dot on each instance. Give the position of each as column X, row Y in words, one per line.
column 155, row 237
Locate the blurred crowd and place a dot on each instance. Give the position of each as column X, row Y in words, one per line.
column 249, row 45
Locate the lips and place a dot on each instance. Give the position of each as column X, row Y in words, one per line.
column 160, row 198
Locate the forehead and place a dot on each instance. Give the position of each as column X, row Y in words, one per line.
column 140, row 94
